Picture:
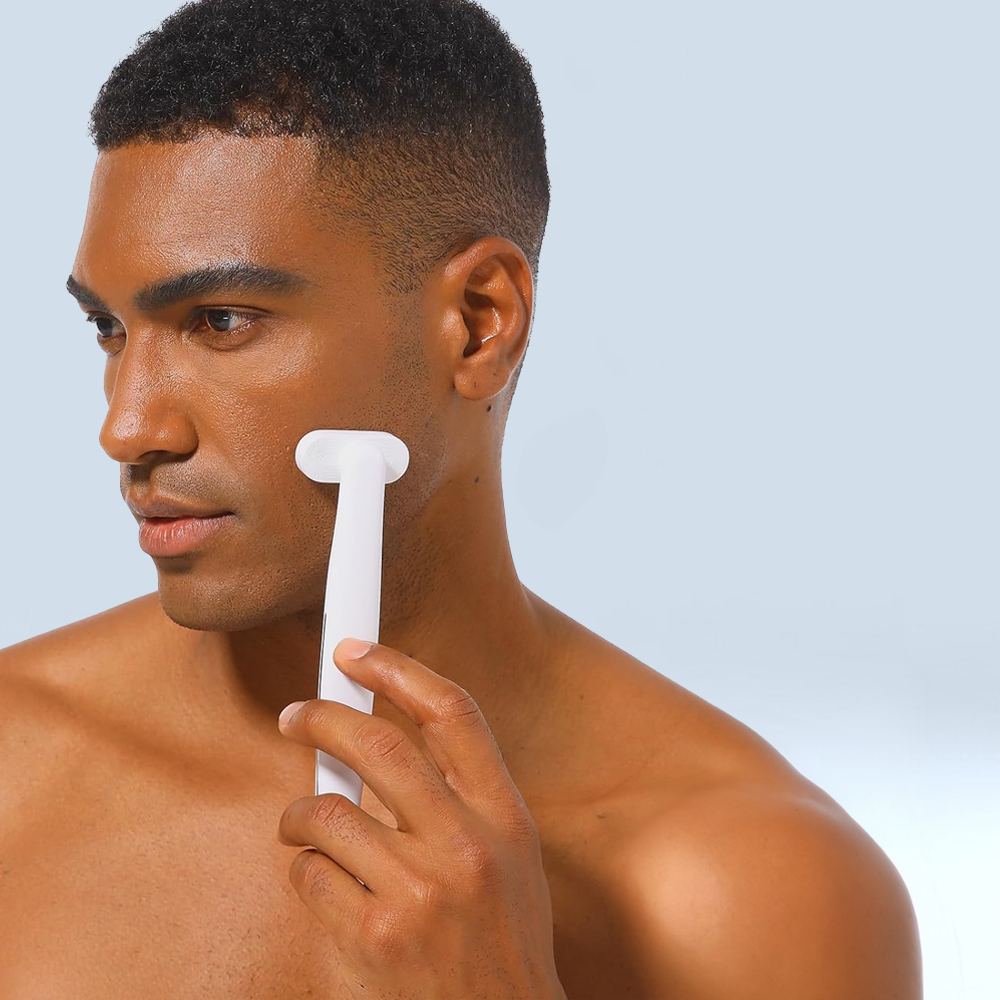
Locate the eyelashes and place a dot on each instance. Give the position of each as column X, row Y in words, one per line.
column 250, row 319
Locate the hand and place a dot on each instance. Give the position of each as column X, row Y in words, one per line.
column 452, row 905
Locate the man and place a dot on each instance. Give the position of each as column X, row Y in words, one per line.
column 329, row 214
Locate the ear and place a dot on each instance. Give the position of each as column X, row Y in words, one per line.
column 489, row 292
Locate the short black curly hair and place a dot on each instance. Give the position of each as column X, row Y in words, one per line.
column 426, row 111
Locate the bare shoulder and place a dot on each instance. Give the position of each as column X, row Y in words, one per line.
column 748, row 892
column 51, row 684
column 747, row 881
column 721, row 870
column 58, row 659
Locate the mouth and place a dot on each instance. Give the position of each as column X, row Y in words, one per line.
column 176, row 536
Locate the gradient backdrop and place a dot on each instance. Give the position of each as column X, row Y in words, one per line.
column 755, row 440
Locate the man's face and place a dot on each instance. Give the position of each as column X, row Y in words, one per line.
column 208, row 393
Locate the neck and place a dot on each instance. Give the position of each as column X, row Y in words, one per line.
column 451, row 599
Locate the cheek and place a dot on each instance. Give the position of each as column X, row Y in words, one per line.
column 287, row 518
column 276, row 563
column 333, row 384
column 290, row 514
column 407, row 500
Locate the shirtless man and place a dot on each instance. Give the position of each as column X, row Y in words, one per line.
column 159, row 838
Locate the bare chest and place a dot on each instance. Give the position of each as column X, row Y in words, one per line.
column 104, row 899
column 171, row 901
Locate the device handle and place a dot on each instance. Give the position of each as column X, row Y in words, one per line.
column 353, row 595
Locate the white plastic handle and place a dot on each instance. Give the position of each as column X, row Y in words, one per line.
column 362, row 461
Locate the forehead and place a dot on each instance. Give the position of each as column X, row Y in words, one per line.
column 163, row 205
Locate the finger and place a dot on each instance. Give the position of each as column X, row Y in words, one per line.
column 403, row 777
column 457, row 735
column 345, row 833
column 334, row 895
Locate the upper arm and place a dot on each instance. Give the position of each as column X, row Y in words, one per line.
column 747, row 894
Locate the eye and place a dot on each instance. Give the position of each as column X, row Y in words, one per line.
column 224, row 322
column 224, row 316
column 105, row 332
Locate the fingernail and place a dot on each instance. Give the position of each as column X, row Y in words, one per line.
column 288, row 711
column 352, row 649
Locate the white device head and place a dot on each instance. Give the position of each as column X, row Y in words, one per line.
column 320, row 454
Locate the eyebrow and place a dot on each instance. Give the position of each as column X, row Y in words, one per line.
column 228, row 276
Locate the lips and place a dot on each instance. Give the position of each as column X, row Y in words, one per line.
column 180, row 535
column 168, row 507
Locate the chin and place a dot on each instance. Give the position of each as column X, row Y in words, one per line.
column 234, row 606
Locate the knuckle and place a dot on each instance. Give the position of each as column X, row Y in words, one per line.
column 517, row 820
column 486, row 866
column 382, row 931
column 330, row 809
column 476, row 857
column 380, row 742
column 427, row 894
column 307, row 871
column 456, row 704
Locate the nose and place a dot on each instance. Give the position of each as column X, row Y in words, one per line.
column 147, row 415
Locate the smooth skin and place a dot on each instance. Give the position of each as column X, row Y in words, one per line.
column 145, row 774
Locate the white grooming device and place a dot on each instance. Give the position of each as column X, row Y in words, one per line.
column 362, row 462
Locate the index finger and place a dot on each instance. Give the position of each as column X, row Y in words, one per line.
column 388, row 761
column 458, row 738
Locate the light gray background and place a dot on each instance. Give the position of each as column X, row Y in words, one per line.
column 754, row 443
